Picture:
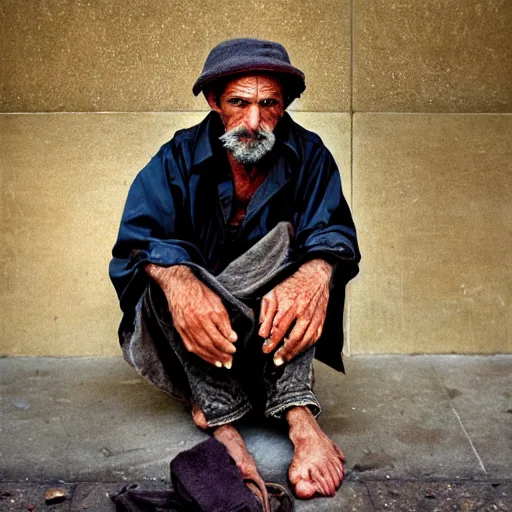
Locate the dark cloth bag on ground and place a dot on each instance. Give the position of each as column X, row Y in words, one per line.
column 132, row 498
column 205, row 479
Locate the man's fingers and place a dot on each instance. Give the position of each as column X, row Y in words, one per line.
column 201, row 344
column 263, row 308
column 269, row 346
column 292, row 343
column 287, row 352
column 187, row 342
column 219, row 316
column 278, row 331
column 304, row 334
column 281, row 325
column 279, row 357
column 194, row 348
column 282, row 322
column 298, row 331
column 317, row 325
column 215, row 345
column 218, row 340
column 290, row 350
column 269, row 305
column 223, row 324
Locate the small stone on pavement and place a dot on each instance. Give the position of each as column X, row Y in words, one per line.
column 54, row 495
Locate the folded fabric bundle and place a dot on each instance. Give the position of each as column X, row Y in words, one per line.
column 205, row 479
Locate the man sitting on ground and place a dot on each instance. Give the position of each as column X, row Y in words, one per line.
column 237, row 220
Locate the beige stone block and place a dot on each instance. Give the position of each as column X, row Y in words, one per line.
column 127, row 55
column 64, row 181
column 334, row 129
column 432, row 198
column 432, row 56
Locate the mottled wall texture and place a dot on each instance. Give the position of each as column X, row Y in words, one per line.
column 413, row 98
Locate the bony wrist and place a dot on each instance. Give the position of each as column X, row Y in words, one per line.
column 164, row 275
column 319, row 265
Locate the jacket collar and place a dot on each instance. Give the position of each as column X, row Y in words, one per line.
column 211, row 128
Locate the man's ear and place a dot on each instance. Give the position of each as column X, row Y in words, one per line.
column 210, row 98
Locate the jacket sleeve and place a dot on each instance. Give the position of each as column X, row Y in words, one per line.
column 325, row 227
column 153, row 227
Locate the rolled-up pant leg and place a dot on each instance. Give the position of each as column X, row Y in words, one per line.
column 290, row 385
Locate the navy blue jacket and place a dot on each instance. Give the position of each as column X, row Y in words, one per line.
column 178, row 208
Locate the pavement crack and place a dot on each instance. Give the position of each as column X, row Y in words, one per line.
column 469, row 439
column 442, row 384
column 72, row 493
column 64, row 427
column 369, row 495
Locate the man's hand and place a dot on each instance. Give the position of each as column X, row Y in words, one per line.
column 198, row 314
column 302, row 298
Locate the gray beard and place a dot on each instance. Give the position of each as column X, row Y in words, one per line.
column 248, row 152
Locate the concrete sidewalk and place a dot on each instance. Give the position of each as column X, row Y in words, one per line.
column 419, row 433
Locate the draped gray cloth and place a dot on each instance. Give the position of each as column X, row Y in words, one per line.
column 248, row 277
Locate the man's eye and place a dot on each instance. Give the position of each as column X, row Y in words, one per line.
column 237, row 101
column 270, row 102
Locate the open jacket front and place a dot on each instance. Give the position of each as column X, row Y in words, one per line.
column 179, row 205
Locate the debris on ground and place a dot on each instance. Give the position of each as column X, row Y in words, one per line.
column 54, row 495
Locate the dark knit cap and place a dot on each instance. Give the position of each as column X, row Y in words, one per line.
column 242, row 56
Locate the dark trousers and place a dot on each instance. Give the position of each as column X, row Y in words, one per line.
column 152, row 345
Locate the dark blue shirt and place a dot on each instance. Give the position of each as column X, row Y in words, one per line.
column 179, row 205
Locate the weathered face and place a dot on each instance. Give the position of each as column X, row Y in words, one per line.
column 250, row 108
column 254, row 102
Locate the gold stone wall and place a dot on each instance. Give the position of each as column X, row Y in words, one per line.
column 413, row 98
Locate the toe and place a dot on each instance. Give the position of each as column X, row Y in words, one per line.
column 199, row 418
column 304, row 489
column 337, row 474
column 338, row 477
column 331, row 477
column 341, row 472
column 297, row 473
column 339, row 452
column 320, row 483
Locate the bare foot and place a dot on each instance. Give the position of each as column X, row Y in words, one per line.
column 317, row 465
column 235, row 444
column 198, row 416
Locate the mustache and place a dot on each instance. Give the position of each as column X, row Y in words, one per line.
column 248, row 147
column 242, row 132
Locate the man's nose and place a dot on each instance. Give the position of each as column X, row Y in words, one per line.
column 253, row 118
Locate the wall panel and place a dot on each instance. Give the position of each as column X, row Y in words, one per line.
column 433, row 205
column 64, row 182
column 432, row 56
column 131, row 55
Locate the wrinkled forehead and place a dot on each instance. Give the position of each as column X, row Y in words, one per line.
column 257, row 84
